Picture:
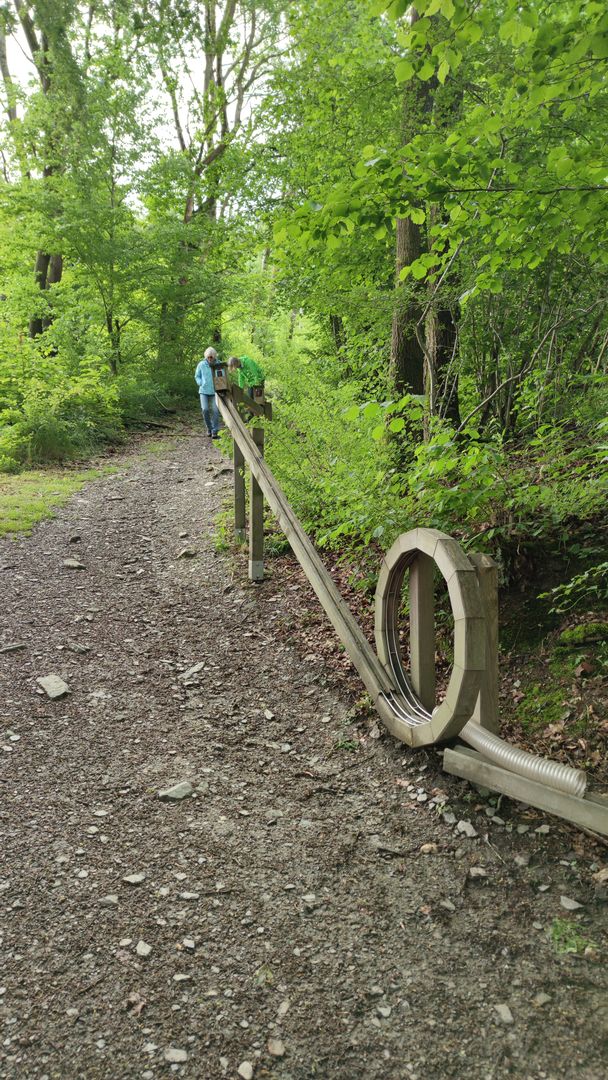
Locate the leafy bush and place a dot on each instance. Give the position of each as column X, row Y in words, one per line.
column 64, row 420
column 586, row 590
column 359, row 473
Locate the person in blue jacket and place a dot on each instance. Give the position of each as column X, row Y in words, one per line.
column 204, row 380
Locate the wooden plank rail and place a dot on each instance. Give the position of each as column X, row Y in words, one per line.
column 590, row 812
column 374, row 676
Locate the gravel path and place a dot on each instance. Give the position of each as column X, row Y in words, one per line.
column 307, row 911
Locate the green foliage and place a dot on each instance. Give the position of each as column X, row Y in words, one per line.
column 588, row 589
column 59, row 419
column 543, row 705
column 567, row 936
column 480, row 126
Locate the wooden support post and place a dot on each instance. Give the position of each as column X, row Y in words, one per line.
column 239, row 494
column 486, row 708
column 256, row 518
column 422, row 629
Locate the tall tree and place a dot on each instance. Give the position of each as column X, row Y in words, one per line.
column 46, row 27
column 232, row 43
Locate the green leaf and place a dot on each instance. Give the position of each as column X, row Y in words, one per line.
column 417, row 215
column 426, row 71
column 443, row 71
column 418, row 270
column 563, row 167
column 599, row 46
column 515, row 31
column 404, row 71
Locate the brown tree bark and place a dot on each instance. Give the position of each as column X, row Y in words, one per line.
column 337, row 332
column 407, row 354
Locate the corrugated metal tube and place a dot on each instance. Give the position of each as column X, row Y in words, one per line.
column 501, row 753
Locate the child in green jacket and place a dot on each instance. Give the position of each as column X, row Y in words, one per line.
column 246, row 372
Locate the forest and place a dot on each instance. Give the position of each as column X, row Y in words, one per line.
column 399, row 210
column 235, row 843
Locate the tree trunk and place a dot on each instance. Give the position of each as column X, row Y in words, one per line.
column 53, row 277
column 442, row 344
column 407, row 354
column 47, row 272
column 40, row 275
column 293, row 315
column 337, row 332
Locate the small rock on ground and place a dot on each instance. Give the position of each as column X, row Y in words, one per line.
column 177, row 792
column 53, row 686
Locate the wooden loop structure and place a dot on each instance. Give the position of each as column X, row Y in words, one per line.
column 406, row 704
column 419, row 551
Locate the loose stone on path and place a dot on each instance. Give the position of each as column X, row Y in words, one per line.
column 175, row 1056
column 504, row 1014
column 467, row 829
column 134, row 879
column 53, row 686
column 568, row 904
column 177, row 792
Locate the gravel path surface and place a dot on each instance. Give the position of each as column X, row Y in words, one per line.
column 307, row 911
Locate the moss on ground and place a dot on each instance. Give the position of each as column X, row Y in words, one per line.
column 583, row 634
column 30, row 497
column 541, row 706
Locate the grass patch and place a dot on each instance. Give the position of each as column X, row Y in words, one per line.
column 566, row 937
column 30, row 497
column 162, row 445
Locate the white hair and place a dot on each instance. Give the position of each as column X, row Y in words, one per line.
column 210, row 354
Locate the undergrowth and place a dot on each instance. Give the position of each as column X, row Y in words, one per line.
column 358, row 472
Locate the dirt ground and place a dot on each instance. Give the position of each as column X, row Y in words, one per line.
column 315, row 908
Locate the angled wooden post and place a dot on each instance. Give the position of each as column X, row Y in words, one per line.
column 239, row 494
column 486, row 708
column 256, row 518
column 422, row 629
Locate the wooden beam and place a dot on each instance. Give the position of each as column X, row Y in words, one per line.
column 486, row 707
column 256, row 517
column 422, row 629
column 375, row 678
column 239, row 494
column 590, row 812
